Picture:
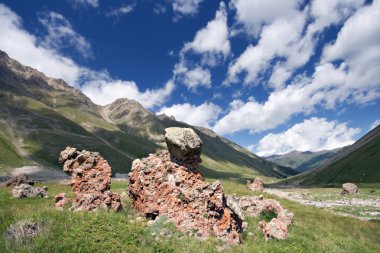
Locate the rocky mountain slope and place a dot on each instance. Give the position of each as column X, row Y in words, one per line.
column 304, row 161
column 39, row 116
column 358, row 163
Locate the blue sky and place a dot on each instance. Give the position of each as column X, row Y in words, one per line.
column 273, row 76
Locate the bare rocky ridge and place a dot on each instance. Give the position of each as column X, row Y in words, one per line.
column 165, row 185
column 90, row 181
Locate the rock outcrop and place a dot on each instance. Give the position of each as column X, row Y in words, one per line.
column 349, row 188
column 278, row 226
column 90, row 181
column 257, row 185
column 28, row 191
column 170, row 184
column 20, row 179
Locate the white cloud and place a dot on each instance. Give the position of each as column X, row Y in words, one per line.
column 253, row 14
column 212, row 41
column 326, row 88
column 313, row 134
column 124, row 9
column 285, row 36
column 60, row 34
column 105, row 91
column 23, row 46
column 159, row 9
column 374, row 124
column 45, row 57
column 92, row 3
column 202, row 115
column 326, row 13
column 186, row 7
column 192, row 78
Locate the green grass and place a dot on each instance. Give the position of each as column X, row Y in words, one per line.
column 314, row 230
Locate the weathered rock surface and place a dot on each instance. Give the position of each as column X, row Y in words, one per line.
column 257, row 185
column 349, row 188
column 163, row 185
column 277, row 227
column 20, row 179
column 27, row 191
column 183, row 143
column 24, row 229
column 90, row 181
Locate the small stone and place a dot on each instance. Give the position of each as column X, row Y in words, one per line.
column 27, row 191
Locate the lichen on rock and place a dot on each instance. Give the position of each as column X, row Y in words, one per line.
column 90, row 181
column 168, row 184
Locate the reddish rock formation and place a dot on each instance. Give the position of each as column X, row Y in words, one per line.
column 166, row 185
column 27, row 191
column 277, row 227
column 349, row 188
column 257, row 185
column 20, row 179
column 90, row 181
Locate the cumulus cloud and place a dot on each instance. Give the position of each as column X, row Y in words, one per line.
column 106, row 91
column 253, row 14
column 44, row 55
column 92, row 3
column 313, row 134
column 374, row 124
column 192, row 78
column 202, row 115
column 186, row 7
column 212, row 41
column 61, row 34
column 24, row 47
column 346, row 74
column 286, row 40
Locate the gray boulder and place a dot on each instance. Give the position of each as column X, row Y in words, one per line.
column 27, row 191
column 183, row 143
column 349, row 188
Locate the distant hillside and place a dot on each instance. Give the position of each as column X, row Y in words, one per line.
column 304, row 161
column 39, row 116
column 359, row 163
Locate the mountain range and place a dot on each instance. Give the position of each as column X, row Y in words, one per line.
column 359, row 163
column 39, row 116
column 306, row 160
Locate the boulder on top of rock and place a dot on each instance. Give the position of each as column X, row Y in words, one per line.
column 20, row 179
column 349, row 188
column 28, row 191
column 90, row 181
column 161, row 186
column 183, row 143
column 257, row 185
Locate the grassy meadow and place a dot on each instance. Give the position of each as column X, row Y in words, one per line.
column 313, row 230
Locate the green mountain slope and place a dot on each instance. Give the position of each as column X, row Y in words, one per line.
column 358, row 163
column 39, row 116
column 304, row 161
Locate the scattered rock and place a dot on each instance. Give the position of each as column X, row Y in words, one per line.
column 349, row 188
column 257, row 185
column 274, row 229
column 27, row 191
column 278, row 226
column 23, row 230
column 183, row 143
column 20, row 179
column 163, row 186
column 90, row 181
